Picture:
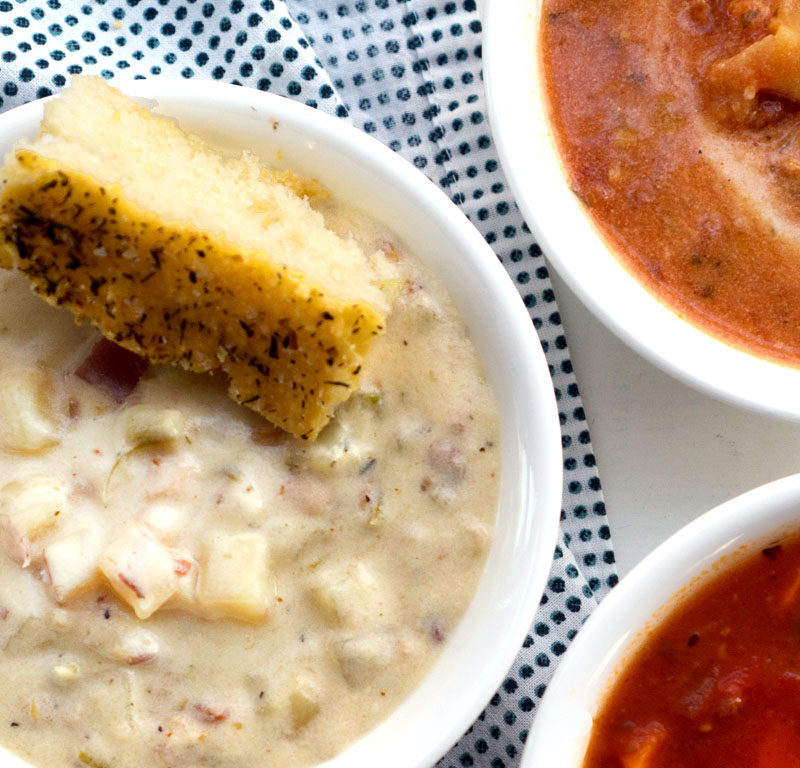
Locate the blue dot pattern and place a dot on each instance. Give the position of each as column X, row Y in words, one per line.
column 408, row 72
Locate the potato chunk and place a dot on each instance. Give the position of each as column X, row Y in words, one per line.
column 235, row 577
column 27, row 423
column 303, row 702
column 142, row 571
column 363, row 656
column 71, row 563
column 29, row 508
column 346, row 596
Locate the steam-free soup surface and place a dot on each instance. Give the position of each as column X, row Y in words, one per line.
column 183, row 585
column 716, row 683
column 678, row 128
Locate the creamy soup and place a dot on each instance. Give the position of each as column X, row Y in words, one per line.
column 677, row 122
column 181, row 584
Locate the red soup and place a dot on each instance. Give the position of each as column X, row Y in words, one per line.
column 718, row 682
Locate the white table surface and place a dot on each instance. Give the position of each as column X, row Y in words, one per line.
column 665, row 453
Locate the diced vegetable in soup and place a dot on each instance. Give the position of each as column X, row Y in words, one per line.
column 678, row 125
column 183, row 584
column 717, row 682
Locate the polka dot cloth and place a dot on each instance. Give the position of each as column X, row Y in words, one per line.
column 409, row 73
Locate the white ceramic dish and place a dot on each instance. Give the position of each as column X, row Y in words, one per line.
column 573, row 247
column 560, row 733
column 366, row 174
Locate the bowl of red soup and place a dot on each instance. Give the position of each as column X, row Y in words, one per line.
column 652, row 147
column 692, row 660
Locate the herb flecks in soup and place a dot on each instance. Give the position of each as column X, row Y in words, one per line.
column 716, row 683
column 181, row 583
column 677, row 123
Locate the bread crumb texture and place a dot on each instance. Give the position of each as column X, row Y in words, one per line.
column 184, row 255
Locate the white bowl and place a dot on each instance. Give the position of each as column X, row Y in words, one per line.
column 363, row 172
column 560, row 733
column 573, row 246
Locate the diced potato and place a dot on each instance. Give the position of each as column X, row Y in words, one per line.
column 71, row 563
column 235, row 576
column 303, row 702
column 346, row 596
column 28, row 509
column 27, row 422
column 34, row 504
column 145, row 424
column 141, row 570
column 361, row 657
column 23, row 598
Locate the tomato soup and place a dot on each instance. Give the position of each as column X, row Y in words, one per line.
column 718, row 682
column 678, row 128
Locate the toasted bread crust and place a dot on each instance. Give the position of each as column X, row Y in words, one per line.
column 173, row 293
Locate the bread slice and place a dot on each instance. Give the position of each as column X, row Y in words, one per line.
column 184, row 255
